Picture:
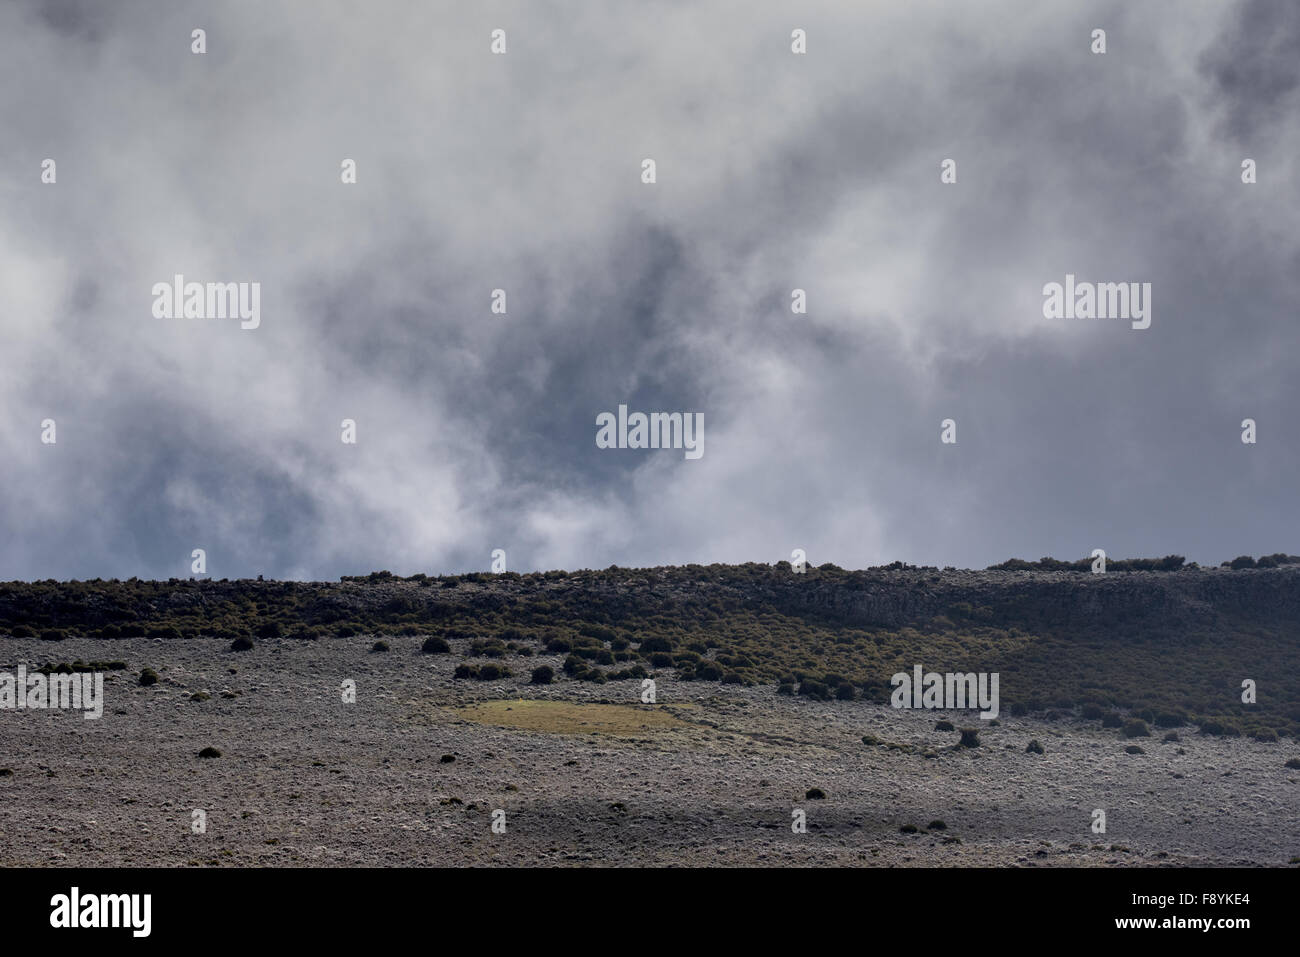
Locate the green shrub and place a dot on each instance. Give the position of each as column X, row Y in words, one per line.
column 815, row 794
column 435, row 646
column 543, row 675
column 814, row 689
column 209, row 753
column 970, row 738
column 944, row 725
column 148, row 677
column 1220, row 729
column 242, row 643
column 487, row 648
column 1034, row 747
column 1136, row 728
column 379, row 646
column 598, row 632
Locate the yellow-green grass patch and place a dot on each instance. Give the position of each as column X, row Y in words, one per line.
column 567, row 717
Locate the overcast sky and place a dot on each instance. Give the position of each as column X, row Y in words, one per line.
column 522, row 171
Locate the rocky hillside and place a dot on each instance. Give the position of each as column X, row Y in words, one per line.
column 1168, row 646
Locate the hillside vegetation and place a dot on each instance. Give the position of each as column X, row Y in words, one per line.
column 1167, row 647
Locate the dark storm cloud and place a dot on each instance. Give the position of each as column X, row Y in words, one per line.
column 78, row 19
column 522, row 172
column 1255, row 68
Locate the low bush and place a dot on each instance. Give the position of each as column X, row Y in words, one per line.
column 1136, row 728
column 543, row 675
column 814, row 689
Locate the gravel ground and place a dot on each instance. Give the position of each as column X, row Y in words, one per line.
column 305, row 779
